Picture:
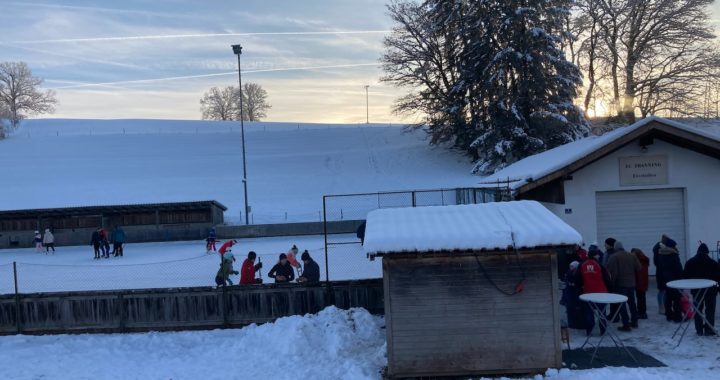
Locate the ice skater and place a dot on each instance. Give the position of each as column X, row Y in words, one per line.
column 210, row 241
column 222, row 278
column 118, row 237
column 49, row 241
column 38, row 242
column 104, row 243
column 95, row 242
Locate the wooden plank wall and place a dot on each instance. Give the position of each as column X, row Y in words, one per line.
column 444, row 317
column 177, row 309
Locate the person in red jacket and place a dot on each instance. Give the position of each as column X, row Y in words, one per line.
column 592, row 278
column 641, row 282
column 227, row 245
column 247, row 272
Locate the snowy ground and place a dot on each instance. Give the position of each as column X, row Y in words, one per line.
column 58, row 163
column 173, row 264
column 334, row 344
column 331, row 345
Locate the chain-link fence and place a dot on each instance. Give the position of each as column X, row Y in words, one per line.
column 344, row 252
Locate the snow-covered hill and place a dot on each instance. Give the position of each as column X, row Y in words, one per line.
column 60, row 162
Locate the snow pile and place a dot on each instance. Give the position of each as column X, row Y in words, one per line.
column 334, row 344
column 488, row 226
column 542, row 164
column 62, row 163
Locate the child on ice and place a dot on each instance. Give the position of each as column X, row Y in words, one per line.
column 38, row 242
column 222, row 277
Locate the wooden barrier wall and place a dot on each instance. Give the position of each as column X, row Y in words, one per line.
column 178, row 308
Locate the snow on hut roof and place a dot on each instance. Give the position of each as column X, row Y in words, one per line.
column 488, row 226
column 542, row 164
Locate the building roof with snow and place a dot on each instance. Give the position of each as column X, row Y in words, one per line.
column 543, row 168
column 478, row 227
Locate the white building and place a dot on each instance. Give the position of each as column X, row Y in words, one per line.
column 633, row 184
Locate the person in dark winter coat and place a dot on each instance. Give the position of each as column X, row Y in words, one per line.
column 95, row 242
column 311, row 270
column 659, row 280
column 571, row 298
column 361, row 232
column 623, row 268
column 247, row 272
column 641, row 282
column 702, row 266
column 591, row 277
column 669, row 268
column 609, row 250
column 210, row 241
column 38, row 242
column 282, row 272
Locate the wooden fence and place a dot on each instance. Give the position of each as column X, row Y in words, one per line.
column 178, row 308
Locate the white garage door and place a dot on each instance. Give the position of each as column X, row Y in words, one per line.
column 638, row 218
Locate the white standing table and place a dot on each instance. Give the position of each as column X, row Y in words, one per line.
column 685, row 287
column 596, row 301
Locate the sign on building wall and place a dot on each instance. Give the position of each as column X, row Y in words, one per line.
column 643, row 170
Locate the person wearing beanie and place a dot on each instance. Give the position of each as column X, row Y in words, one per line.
column 609, row 250
column 591, row 277
column 702, row 266
column 222, row 277
column 571, row 298
column 311, row 270
column 623, row 268
column 669, row 268
column 282, row 272
column 659, row 280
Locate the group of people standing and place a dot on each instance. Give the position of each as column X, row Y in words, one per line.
column 44, row 242
column 101, row 239
column 284, row 271
column 618, row 271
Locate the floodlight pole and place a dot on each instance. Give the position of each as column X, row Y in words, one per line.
column 367, row 105
column 237, row 50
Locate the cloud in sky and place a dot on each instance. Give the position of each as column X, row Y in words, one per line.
column 156, row 58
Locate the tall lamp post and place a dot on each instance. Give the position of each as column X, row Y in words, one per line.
column 367, row 105
column 237, row 50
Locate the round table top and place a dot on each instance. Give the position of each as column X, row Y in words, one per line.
column 691, row 284
column 603, row 298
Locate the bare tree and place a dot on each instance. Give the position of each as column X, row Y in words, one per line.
column 220, row 103
column 20, row 92
column 651, row 55
column 224, row 103
column 255, row 102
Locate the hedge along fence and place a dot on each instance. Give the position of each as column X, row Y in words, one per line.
column 175, row 309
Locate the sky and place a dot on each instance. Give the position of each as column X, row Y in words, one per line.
column 154, row 59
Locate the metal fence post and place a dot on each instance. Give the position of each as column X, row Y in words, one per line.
column 325, row 232
column 414, row 199
column 18, row 321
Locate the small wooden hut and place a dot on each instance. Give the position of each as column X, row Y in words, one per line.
column 471, row 289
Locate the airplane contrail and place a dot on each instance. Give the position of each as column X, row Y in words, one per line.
column 153, row 80
column 199, row 35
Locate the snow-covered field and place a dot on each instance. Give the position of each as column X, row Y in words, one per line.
column 174, row 264
column 333, row 344
column 56, row 163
